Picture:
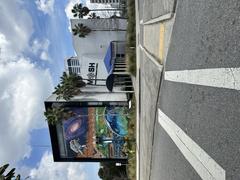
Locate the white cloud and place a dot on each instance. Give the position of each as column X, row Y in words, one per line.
column 44, row 56
column 46, row 6
column 23, row 90
column 15, row 30
column 47, row 169
column 68, row 11
column 23, row 86
column 4, row 48
column 3, row 41
column 40, row 48
column 69, row 6
column 40, row 45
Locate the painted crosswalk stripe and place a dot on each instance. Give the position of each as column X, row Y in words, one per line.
column 206, row 167
column 217, row 77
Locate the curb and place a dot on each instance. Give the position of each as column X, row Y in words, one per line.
column 152, row 58
column 158, row 19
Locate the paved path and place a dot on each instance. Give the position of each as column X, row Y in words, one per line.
column 189, row 82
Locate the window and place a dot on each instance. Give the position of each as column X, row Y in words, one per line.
column 120, row 55
column 72, row 63
column 69, row 62
column 70, row 70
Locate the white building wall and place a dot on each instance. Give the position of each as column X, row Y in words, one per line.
column 93, row 48
column 92, row 64
column 103, row 32
column 105, row 1
column 93, row 97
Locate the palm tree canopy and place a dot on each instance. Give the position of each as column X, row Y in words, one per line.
column 18, row 177
column 3, row 168
column 9, row 175
column 69, row 86
column 56, row 114
column 81, row 30
column 93, row 16
column 80, row 10
column 53, row 115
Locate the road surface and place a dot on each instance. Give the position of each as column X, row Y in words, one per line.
column 189, row 82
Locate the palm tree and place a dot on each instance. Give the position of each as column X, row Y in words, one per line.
column 69, row 86
column 56, row 114
column 9, row 175
column 80, row 11
column 53, row 115
column 81, row 30
column 93, row 16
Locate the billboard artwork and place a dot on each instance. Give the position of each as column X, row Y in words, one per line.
column 95, row 132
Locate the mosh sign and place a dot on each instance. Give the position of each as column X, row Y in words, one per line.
column 92, row 73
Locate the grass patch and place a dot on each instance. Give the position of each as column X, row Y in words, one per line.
column 131, row 143
column 131, row 38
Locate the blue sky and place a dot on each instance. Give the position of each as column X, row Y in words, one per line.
column 34, row 40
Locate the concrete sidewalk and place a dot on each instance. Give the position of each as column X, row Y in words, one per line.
column 153, row 9
column 154, row 22
column 156, row 38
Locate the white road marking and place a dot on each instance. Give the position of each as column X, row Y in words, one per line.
column 204, row 165
column 218, row 77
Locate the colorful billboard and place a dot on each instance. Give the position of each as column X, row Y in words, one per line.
column 93, row 132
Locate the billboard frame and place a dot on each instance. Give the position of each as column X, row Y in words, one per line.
column 54, row 138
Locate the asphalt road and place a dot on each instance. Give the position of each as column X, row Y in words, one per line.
column 205, row 36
